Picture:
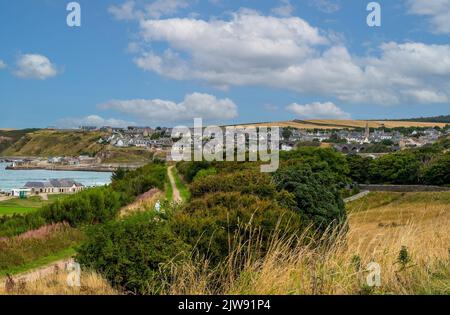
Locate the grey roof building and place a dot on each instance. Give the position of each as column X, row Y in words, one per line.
column 55, row 186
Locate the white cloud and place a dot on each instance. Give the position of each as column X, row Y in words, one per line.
column 318, row 111
column 326, row 6
column 126, row 11
column 204, row 106
column 437, row 10
column 93, row 120
column 160, row 8
column 2, row 64
column 285, row 8
column 34, row 66
column 289, row 53
column 131, row 10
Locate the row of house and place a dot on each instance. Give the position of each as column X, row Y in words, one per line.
column 363, row 137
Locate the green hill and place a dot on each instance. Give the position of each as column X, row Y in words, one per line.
column 54, row 143
column 9, row 137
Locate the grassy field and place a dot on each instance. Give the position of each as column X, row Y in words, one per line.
column 126, row 155
column 21, row 206
column 341, row 124
column 407, row 234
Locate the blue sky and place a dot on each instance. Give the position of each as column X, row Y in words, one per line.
column 164, row 62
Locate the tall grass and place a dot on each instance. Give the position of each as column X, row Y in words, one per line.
column 56, row 284
column 297, row 266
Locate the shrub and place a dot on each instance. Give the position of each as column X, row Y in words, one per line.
column 437, row 172
column 218, row 222
column 247, row 182
column 190, row 169
column 204, row 173
column 319, row 160
column 398, row 168
column 131, row 254
column 316, row 195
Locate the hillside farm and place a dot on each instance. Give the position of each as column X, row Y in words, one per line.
column 327, row 124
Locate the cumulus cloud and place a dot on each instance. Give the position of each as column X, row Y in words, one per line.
column 34, row 66
column 2, row 64
column 289, row 53
column 437, row 10
column 318, row 111
column 93, row 120
column 326, row 6
column 204, row 106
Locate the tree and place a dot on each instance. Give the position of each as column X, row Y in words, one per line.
column 316, row 195
column 438, row 171
column 398, row 168
column 359, row 168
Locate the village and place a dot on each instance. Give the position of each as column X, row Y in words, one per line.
column 160, row 138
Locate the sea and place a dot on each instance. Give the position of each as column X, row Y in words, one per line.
column 10, row 179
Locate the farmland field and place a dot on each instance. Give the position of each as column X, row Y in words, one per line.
column 341, row 124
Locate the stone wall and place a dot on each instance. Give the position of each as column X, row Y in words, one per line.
column 403, row 188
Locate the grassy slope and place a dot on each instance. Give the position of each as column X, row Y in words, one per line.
column 9, row 137
column 127, row 155
column 46, row 143
column 17, row 255
column 20, row 206
column 55, row 143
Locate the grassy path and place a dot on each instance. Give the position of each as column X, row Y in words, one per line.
column 175, row 191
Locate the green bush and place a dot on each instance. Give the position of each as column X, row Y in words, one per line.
column 219, row 222
column 316, row 194
column 205, row 173
column 437, row 172
column 398, row 168
column 247, row 182
column 132, row 254
column 319, row 160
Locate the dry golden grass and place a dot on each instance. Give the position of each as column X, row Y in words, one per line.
column 144, row 203
column 56, row 284
column 375, row 124
column 419, row 221
column 341, row 124
column 293, row 124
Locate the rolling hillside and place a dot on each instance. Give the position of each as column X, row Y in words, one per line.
column 341, row 124
column 52, row 143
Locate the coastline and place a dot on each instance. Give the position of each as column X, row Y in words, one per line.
column 99, row 167
column 107, row 168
